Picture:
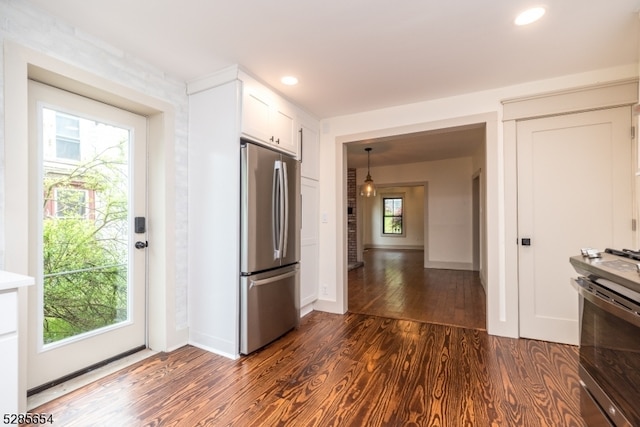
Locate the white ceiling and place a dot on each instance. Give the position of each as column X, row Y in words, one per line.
column 358, row 55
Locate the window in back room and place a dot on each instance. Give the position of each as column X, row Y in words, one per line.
column 392, row 216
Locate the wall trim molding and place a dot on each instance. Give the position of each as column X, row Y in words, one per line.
column 581, row 98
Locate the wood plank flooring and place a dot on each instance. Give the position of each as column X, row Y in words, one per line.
column 394, row 283
column 414, row 354
column 351, row 370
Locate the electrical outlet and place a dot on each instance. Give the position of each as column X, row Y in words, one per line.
column 325, row 292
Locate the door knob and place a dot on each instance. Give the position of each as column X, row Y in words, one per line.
column 141, row 245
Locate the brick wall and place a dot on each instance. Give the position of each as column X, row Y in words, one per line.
column 352, row 224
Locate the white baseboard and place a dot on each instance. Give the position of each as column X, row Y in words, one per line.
column 404, row 247
column 214, row 344
column 446, row 265
column 306, row 309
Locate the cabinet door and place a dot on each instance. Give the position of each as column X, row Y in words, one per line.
column 267, row 118
column 283, row 127
column 256, row 113
column 309, row 245
column 9, row 352
column 309, row 150
column 9, row 373
column 8, row 312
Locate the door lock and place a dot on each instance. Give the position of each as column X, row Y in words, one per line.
column 141, row 245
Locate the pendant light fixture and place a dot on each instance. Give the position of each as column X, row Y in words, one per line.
column 368, row 189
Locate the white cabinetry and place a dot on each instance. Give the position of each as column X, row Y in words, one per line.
column 222, row 109
column 309, row 148
column 266, row 117
column 12, row 394
column 214, row 219
column 9, row 351
column 309, row 247
column 309, row 244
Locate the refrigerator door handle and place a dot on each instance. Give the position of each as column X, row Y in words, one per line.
column 282, row 212
column 279, row 208
column 268, row 280
column 276, row 209
column 285, row 211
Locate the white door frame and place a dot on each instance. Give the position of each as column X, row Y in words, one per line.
column 496, row 287
column 21, row 64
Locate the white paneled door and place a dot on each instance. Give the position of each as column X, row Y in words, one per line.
column 87, row 169
column 574, row 190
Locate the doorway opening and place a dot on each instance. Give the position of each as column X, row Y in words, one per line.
column 87, row 169
column 23, row 64
column 433, row 269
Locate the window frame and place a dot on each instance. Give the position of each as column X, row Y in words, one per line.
column 403, row 217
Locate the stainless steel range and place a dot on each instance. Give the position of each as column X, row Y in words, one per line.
column 609, row 288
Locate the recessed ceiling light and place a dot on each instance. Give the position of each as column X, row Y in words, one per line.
column 529, row 16
column 289, row 80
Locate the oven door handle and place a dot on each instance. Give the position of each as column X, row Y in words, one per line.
column 609, row 305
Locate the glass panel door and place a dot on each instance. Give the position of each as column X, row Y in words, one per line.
column 88, row 164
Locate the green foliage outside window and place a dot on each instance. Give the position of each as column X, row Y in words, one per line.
column 85, row 283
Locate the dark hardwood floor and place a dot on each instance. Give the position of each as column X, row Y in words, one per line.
column 394, row 283
column 351, row 370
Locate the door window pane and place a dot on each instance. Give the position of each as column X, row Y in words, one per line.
column 85, row 225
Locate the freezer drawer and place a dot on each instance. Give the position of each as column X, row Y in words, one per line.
column 269, row 306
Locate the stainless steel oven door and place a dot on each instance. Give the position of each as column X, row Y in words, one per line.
column 610, row 350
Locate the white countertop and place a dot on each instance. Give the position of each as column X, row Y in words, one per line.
column 10, row 280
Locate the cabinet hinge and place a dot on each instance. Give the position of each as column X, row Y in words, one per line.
column 633, row 225
column 633, row 132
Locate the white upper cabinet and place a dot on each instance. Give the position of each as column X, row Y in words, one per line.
column 256, row 113
column 267, row 118
column 309, row 147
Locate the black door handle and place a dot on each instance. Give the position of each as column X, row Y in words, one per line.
column 141, row 245
column 526, row 241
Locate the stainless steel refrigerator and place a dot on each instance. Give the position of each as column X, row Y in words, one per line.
column 269, row 245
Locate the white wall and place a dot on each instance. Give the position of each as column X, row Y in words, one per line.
column 473, row 108
column 25, row 26
column 448, row 233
